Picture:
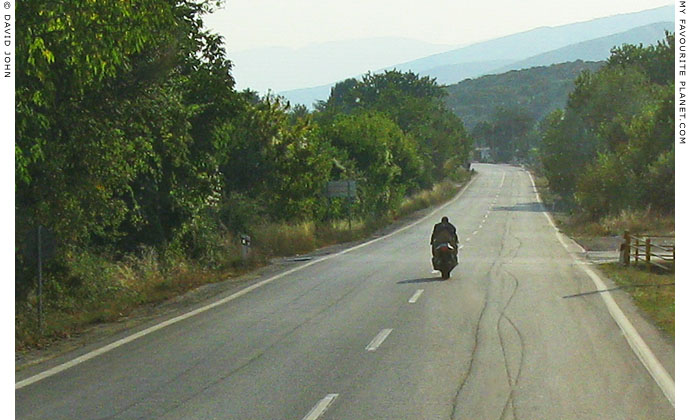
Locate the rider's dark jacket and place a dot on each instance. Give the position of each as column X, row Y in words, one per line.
column 444, row 232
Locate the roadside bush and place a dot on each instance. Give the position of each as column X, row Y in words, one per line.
column 454, row 169
column 605, row 186
column 201, row 240
column 659, row 185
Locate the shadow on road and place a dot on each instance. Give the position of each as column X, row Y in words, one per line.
column 534, row 206
column 425, row 280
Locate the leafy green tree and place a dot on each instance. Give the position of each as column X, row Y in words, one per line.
column 282, row 165
column 656, row 61
column 373, row 147
column 605, row 186
column 413, row 103
column 564, row 151
column 106, row 141
column 442, row 138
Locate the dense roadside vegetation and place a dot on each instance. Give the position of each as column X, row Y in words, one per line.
column 611, row 149
column 143, row 163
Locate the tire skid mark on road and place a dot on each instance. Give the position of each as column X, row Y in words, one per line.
column 512, row 378
column 493, row 270
column 473, row 354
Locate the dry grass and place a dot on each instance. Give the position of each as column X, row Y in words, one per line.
column 282, row 239
column 440, row 193
column 639, row 222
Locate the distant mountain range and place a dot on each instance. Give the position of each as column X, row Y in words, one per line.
column 596, row 49
column 591, row 40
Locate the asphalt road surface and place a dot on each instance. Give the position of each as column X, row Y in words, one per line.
column 373, row 334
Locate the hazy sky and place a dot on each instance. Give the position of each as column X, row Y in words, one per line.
column 249, row 24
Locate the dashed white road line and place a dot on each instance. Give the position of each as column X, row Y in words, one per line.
column 416, row 296
column 475, row 232
column 378, row 340
column 320, row 407
column 468, row 239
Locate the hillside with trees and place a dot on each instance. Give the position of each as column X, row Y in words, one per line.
column 142, row 163
column 502, row 111
column 537, row 90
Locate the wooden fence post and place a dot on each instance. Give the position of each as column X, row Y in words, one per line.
column 648, row 253
column 637, row 250
column 626, row 249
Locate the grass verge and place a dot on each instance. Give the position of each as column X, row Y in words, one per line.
column 652, row 292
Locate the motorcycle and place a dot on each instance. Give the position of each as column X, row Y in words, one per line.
column 445, row 260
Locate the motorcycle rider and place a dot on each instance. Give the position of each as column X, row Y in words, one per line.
column 443, row 232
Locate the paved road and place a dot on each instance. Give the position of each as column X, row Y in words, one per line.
column 352, row 337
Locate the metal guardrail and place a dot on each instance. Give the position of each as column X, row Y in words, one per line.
column 652, row 249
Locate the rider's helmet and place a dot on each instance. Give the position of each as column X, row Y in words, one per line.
column 444, row 219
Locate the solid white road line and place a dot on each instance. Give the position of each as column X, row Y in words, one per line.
column 378, row 340
column 416, row 296
column 638, row 345
column 320, row 407
column 57, row 369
